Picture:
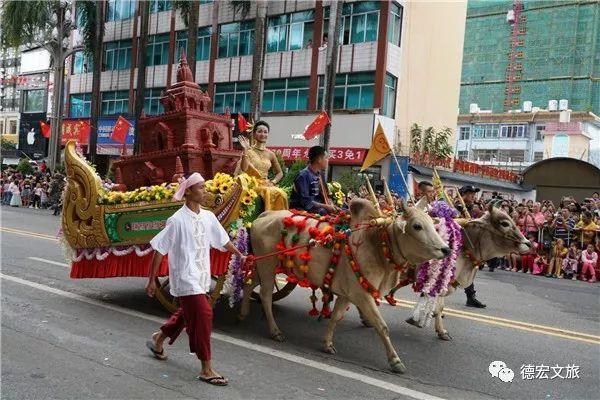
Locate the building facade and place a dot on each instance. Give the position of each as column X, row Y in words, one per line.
column 372, row 61
column 517, row 140
column 518, row 51
column 10, row 96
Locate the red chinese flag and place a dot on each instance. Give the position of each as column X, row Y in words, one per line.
column 120, row 130
column 317, row 126
column 83, row 131
column 45, row 128
column 242, row 123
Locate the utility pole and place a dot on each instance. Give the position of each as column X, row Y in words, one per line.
column 335, row 16
column 59, row 73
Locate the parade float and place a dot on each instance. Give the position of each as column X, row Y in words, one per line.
column 107, row 232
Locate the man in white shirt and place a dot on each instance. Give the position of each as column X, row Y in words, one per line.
column 187, row 238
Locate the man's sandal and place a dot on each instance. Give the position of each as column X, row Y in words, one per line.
column 159, row 355
column 215, row 380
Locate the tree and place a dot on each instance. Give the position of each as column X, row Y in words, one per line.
column 441, row 147
column 416, row 139
column 25, row 167
column 141, row 67
column 45, row 24
column 189, row 10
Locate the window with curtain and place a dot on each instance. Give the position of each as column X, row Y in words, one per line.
column 81, row 63
column 152, row 105
column 202, row 45
column 115, row 103
column 157, row 52
column 389, row 96
column 290, row 31
column 360, row 22
column 160, row 5
column 352, row 91
column 33, row 101
column 395, row 24
column 285, row 94
column 117, row 55
column 233, row 95
column 120, row 9
column 236, row 39
column 81, row 105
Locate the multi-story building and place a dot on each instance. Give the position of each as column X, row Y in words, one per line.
column 517, row 51
column 378, row 68
column 516, row 140
column 10, row 63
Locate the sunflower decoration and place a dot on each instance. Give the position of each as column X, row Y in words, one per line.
column 156, row 193
column 336, row 191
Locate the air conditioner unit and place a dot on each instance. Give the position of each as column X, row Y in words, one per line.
column 510, row 16
column 473, row 108
column 527, row 105
column 553, row 105
column 563, row 104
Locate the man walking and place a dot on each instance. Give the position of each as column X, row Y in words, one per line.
column 187, row 238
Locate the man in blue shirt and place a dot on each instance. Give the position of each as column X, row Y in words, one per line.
column 307, row 193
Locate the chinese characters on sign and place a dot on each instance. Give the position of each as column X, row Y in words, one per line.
column 338, row 155
column 530, row 372
column 75, row 129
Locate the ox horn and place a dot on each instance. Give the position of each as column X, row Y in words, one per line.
column 381, row 221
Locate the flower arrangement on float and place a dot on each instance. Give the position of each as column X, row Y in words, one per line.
column 335, row 188
column 434, row 276
column 155, row 193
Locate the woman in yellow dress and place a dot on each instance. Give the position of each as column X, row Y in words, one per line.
column 257, row 161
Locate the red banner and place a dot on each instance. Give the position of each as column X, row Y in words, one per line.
column 468, row 167
column 75, row 129
column 338, row 155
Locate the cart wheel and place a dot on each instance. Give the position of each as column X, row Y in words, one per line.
column 281, row 290
column 170, row 303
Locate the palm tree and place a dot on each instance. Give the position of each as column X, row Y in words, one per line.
column 189, row 10
column 141, row 66
column 258, row 57
column 45, row 24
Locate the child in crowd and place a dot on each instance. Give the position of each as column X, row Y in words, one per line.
column 570, row 262
column 559, row 252
column 528, row 258
column 26, row 194
column 589, row 258
column 540, row 263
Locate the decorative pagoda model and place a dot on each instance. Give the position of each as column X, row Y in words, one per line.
column 186, row 138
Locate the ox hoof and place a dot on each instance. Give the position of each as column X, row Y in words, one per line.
column 445, row 336
column 398, row 367
column 366, row 323
column 278, row 337
column 329, row 349
column 413, row 322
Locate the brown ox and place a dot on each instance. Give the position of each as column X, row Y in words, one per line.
column 413, row 239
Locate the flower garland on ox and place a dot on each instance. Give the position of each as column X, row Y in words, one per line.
column 434, row 277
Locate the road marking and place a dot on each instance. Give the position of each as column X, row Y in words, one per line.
column 487, row 319
column 238, row 342
column 60, row 264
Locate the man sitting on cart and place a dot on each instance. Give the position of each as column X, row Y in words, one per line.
column 309, row 192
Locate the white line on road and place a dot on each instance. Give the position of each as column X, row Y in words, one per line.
column 60, row 264
column 238, row 342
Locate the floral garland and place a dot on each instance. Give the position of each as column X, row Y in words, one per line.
column 101, row 254
column 434, row 276
column 156, row 193
column 234, row 282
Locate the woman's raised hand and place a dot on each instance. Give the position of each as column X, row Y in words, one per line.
column 244, row 142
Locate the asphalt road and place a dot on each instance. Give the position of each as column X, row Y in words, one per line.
column 75, row 339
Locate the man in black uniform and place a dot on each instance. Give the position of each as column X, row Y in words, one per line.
column 467, row 193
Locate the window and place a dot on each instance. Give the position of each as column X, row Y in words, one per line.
column 486, row 131
column 538, row 156
column 81, row 105
column 285, row 94
column 1, row 127
column 33, row 101
column 352, row 91
column 360, row 22
column 202, row 45
column 117, row 55
column 513, row 131
column 152, row 104
column 462, row 154
column 389, row 96
column 12, row 127
column 511, row 155
column 120, row 9
column 395, row 24
column 539, row 130
column 115, row 103
column 485, row 155
column 236, row 39
column 464, row 133
column 290, row 31
column 235, row 96
column 81, row 63
column 157, row 52
column 160, row 5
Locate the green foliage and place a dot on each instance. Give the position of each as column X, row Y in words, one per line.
column 60, row 169
column 441, row 147
column 6, row 144
column 86, row 10
column 25, row 22
column 290, row 175
column 350, row 181
column 184, row 7
column 241, row 6
column 428, row 139
column 24, row 167
column 416, row 139
column 431, row 141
